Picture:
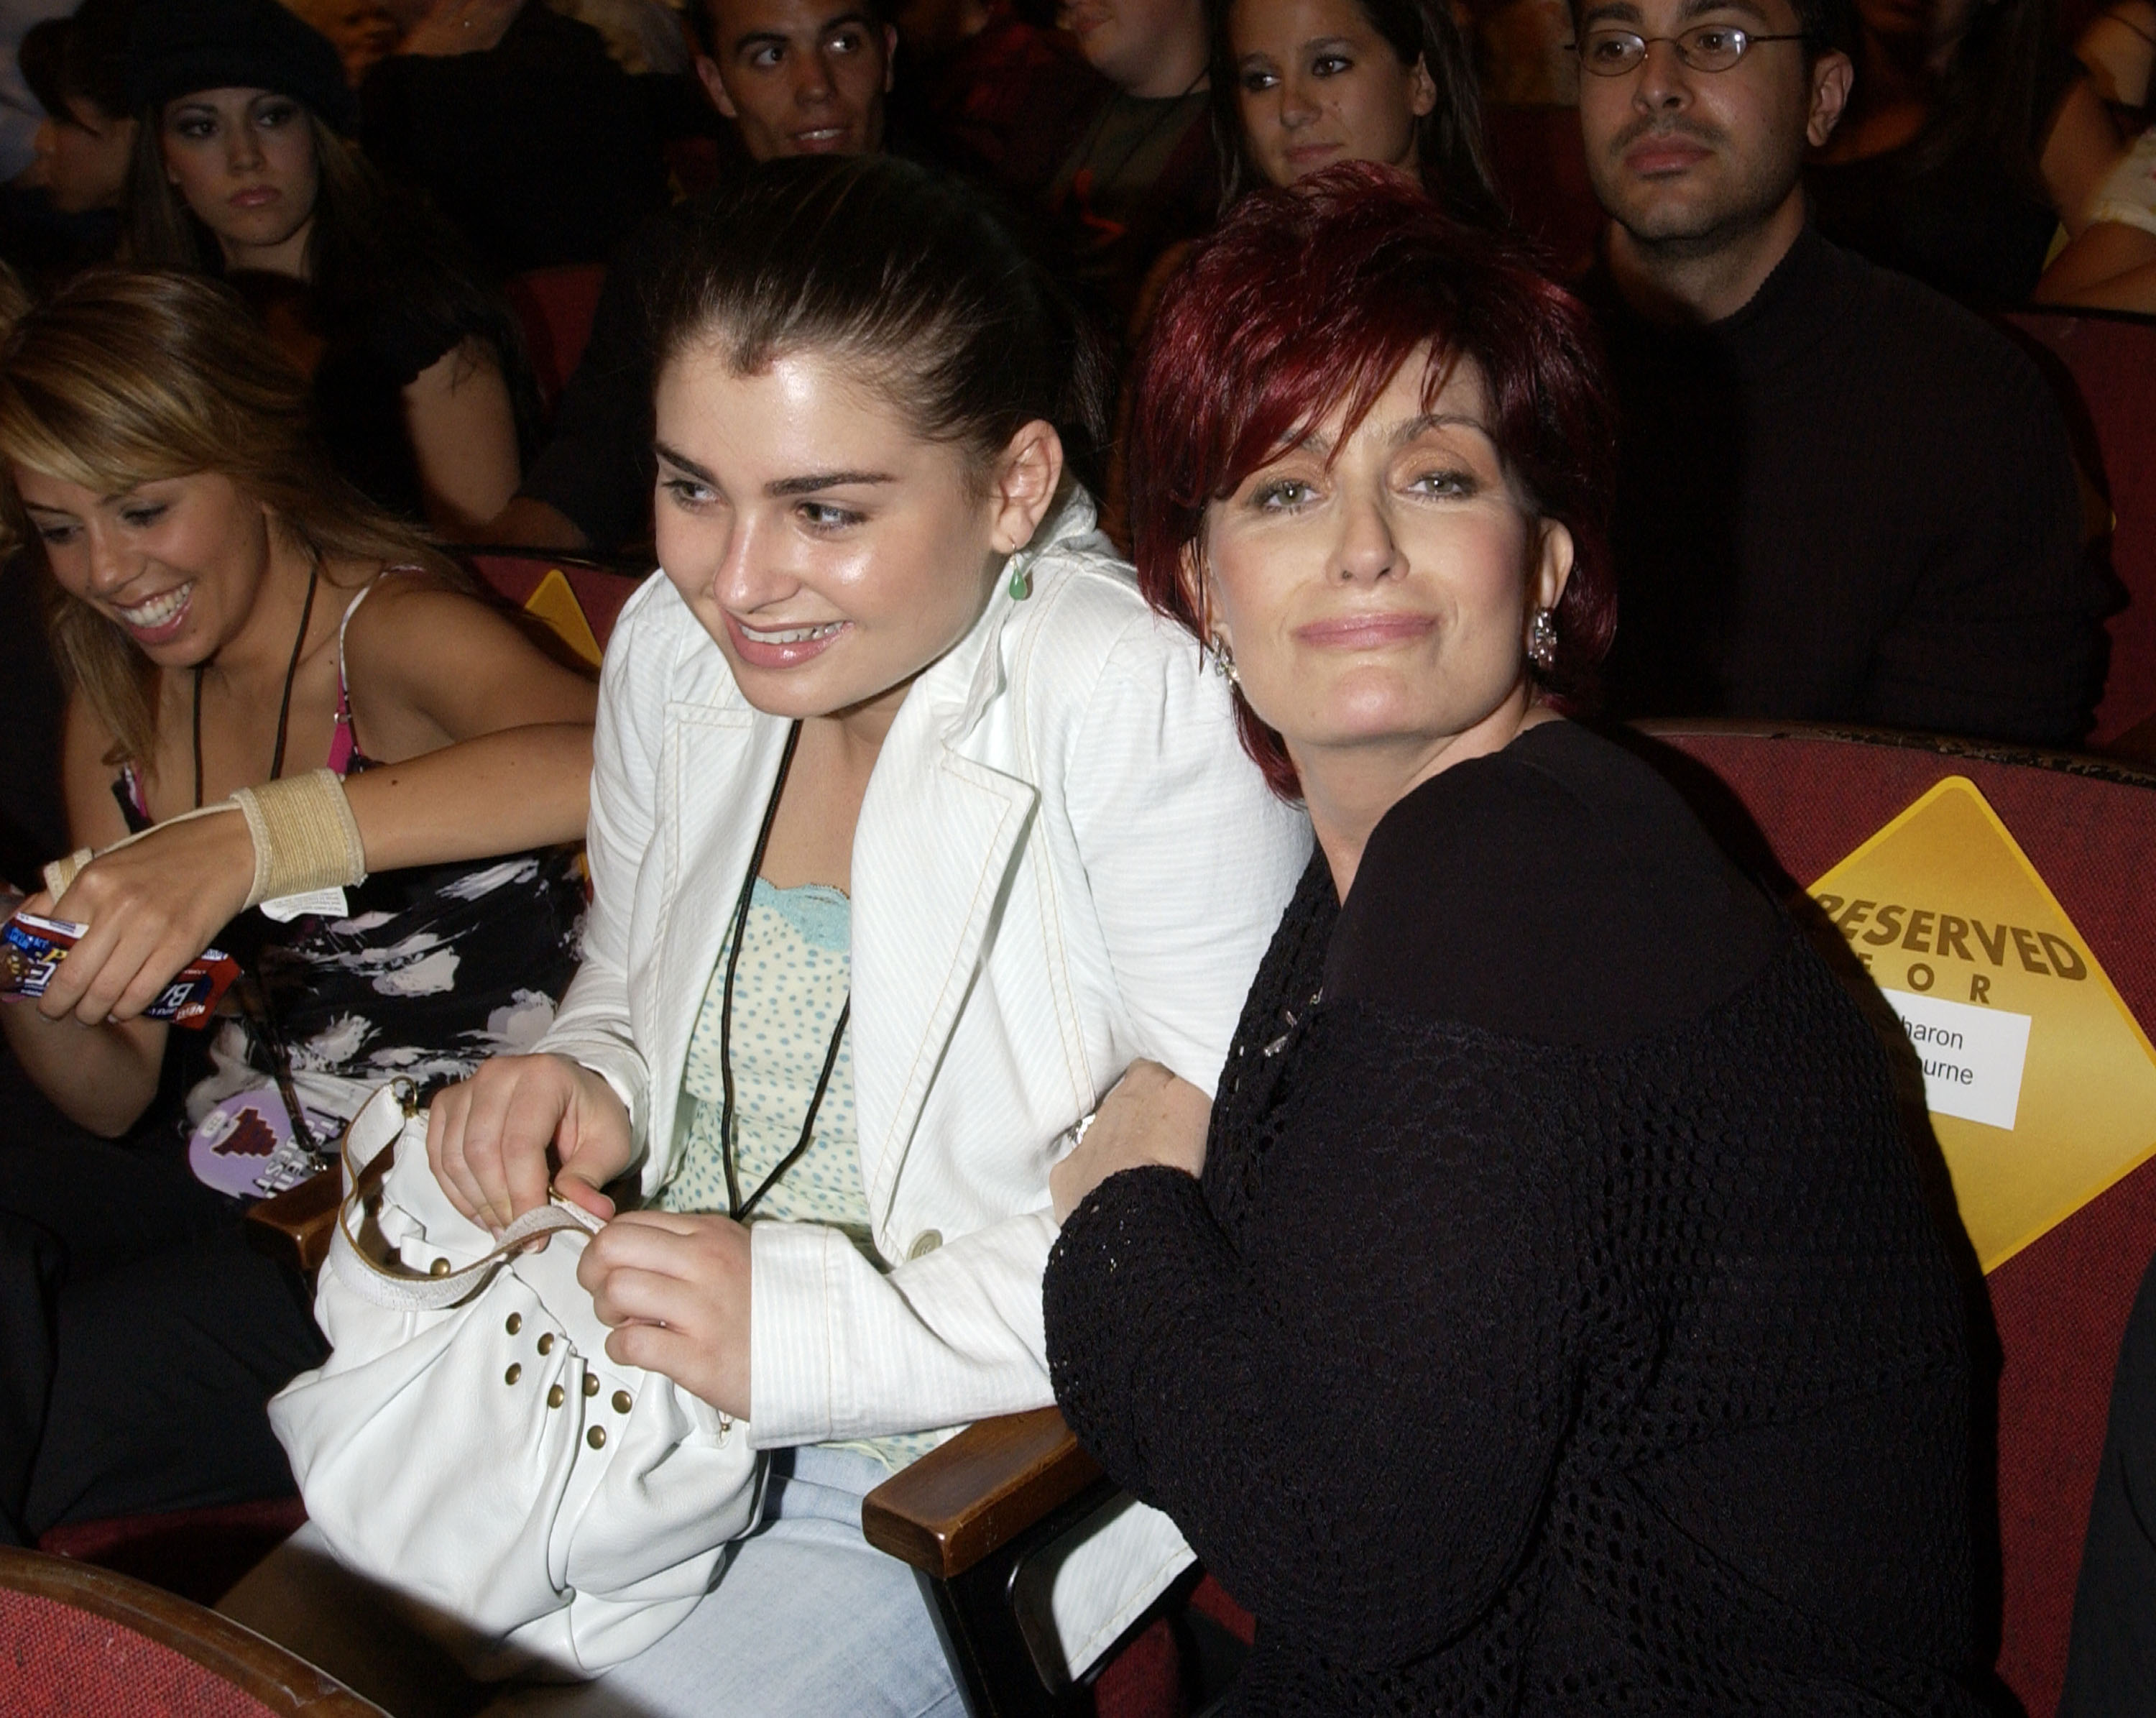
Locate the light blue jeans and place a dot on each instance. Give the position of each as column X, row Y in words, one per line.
column 808, row 1621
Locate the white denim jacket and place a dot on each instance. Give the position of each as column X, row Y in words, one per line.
column 1063, row 861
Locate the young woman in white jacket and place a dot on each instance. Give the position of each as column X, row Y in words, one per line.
column 911, row 828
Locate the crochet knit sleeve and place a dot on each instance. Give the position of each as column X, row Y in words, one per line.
column 1367, row 1396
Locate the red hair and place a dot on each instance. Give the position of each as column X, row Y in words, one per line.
column 1310, row 298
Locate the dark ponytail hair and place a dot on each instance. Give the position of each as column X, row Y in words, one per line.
column 908, row 276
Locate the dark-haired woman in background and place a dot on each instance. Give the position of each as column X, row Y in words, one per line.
column 1301, row 84
column 240, row 171
column 1557, row 1324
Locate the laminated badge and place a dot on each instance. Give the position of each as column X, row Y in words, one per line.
column 2041, row 1083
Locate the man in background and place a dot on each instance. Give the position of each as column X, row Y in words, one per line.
column 1842, row 497
column 795, row 77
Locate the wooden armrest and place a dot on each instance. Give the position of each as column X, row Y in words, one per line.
column 973, row 1495
column 293, row 1228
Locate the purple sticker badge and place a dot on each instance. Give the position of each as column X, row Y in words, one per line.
column 244, row 1147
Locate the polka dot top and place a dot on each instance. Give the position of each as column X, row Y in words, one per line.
column 796, row 967
column 796, row 970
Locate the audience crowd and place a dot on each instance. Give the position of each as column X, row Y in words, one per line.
column 1099, row 458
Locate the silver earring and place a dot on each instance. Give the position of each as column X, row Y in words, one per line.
column 1541, row 641
column 1223, row 661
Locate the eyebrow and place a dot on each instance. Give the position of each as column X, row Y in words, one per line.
column 1696, row 8
column 824, row 479
column 1621, row 12
column 760, row 38
column 1411, row 428
column 808, row 483
column 682, row 462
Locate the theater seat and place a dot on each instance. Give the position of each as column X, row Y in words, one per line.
column 2104, row 366
column 600, row 589
column 82, row 1642
column 555, row 307
column 2059, row 1305
column 1787, row 799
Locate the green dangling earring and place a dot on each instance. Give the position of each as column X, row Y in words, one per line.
column 1021, row 578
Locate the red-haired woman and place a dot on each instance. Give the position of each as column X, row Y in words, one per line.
column 1551, row 1321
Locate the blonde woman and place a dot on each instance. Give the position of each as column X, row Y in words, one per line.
column 227, row 614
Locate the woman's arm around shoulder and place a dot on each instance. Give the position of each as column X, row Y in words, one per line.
column 1351, row 1403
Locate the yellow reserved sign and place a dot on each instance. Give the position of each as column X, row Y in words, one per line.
column 2041, row 1083
column 555, row 603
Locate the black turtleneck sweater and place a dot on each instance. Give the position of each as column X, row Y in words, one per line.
column 1558, row 1327
column 1850, row 501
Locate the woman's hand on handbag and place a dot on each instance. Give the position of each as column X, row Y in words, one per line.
column 489, row 1137
column 675, row 1288
column 1151, row 1117
column 151, row 907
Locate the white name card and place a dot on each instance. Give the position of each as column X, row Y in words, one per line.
column 1972, row 1056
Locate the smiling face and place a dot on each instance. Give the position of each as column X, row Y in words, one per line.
column 1375, row 591
column 1316, row 84
column 800, row 77
column 244, row 161
column 830, row 550
column 1695, row 159
column 177, row 562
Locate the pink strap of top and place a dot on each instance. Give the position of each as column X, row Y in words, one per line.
column 344, row 742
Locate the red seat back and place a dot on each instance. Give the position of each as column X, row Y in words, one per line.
column 2060, row 1304
column 600, row 591
column 2109, row 366
column 555, row 307
column 77, row 1642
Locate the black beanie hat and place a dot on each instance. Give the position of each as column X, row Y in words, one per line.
column 176, row 46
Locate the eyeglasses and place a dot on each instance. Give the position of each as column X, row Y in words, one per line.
column 1707, row 47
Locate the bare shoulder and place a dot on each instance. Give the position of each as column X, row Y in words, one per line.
column 409, row 609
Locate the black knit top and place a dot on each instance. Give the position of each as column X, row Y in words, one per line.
column 1558, row 1325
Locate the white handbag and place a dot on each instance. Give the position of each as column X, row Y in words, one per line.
column 470, row 1447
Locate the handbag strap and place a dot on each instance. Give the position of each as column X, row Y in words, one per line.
column 395, row 1284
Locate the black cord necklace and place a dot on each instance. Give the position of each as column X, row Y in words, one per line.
column 738, row 1208
column 254, row 995
column 283, row 704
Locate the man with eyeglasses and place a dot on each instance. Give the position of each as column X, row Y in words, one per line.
column 1843, row 498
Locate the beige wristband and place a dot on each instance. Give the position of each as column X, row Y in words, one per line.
column 60, row 873
column 304, row 837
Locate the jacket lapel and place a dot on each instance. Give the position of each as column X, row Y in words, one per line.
column 720, row 760
column 938, row 835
